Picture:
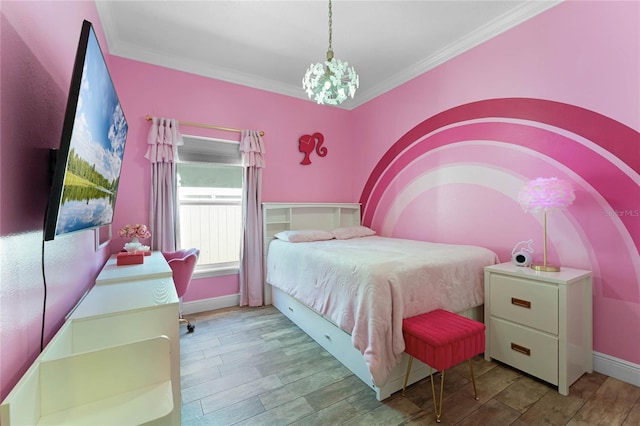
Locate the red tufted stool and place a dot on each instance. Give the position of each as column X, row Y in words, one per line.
column 441, row 340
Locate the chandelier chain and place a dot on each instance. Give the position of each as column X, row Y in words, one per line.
column 330, row 24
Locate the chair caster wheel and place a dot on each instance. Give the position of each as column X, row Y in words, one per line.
column 190, row 328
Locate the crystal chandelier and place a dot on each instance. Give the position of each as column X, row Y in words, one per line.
column 332, row 81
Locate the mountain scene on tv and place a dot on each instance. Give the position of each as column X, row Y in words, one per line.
column 96, row 151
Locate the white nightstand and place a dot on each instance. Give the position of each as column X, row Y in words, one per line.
column 540, row 322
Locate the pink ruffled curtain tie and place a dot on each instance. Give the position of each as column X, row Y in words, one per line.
column 252, row 148
column 163, row 141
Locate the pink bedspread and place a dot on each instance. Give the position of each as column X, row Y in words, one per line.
column 366, row 286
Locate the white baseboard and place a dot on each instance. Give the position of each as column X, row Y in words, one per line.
column 617, row 368
column 210, row 304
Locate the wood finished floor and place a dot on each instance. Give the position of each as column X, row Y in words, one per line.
column 252, row 366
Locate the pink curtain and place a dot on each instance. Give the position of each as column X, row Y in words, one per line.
column 163, row 141
column 251, row 273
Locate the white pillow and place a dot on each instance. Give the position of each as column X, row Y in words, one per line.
column 352, row 232
column 304, row 235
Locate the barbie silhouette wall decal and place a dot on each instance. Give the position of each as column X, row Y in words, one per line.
column 308, row 143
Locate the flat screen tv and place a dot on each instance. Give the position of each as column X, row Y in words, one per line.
column 88, row 162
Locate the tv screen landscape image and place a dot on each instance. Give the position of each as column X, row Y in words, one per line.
column 89, row 161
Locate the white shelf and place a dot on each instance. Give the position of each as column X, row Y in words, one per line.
column 292, row 216
column 126, row 385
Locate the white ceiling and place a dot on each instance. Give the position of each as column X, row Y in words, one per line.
column 269, row 44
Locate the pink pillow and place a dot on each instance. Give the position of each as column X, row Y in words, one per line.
column 352, row 232
column 304, row 235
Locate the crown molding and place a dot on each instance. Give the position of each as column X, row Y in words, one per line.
column 492, row 29
column 499, row 25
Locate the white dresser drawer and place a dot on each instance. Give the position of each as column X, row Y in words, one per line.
column 528, row 350
column 525, row 302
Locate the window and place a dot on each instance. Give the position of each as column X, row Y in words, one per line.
column 210, row 202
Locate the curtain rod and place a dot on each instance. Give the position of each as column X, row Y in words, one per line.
column 206, row 126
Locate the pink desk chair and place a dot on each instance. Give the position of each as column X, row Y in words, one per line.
column 182, row 264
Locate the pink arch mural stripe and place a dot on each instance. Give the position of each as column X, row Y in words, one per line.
column 619, row 188
column 615, row 137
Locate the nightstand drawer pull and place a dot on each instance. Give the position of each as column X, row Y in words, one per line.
column 521, row 349
column 521, row 303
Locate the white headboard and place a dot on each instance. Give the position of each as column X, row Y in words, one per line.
column 278, row 217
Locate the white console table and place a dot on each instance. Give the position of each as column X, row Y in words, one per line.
column 119, row 351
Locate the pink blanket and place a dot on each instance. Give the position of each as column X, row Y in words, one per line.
column 366, row 286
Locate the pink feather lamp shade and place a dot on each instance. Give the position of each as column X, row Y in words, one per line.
column 543, row 195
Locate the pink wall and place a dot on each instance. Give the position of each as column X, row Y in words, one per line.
column 555, row 96
column 151, row 90
column 39, row 41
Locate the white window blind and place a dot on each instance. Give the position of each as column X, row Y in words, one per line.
column 207, row 150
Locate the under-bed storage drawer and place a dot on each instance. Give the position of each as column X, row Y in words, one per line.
column 323, row 332
column 525, row 349
column 336, row 341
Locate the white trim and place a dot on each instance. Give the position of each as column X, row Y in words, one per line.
column 207, row 272
column 617, row 368
column 210, row 304
column 102, row 236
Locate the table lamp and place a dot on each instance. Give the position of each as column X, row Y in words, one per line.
column 543, row 195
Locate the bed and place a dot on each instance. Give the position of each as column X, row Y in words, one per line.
column 351, row 294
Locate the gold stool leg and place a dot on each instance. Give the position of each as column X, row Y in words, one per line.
column 406, row 376
column 437, row 407
column 473, row 380
column 190, row 327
